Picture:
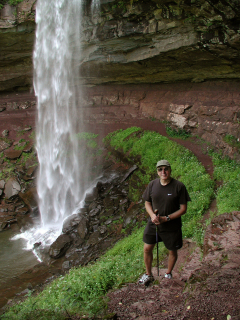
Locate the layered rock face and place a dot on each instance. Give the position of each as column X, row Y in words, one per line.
column 162, row 41
column 209, row 110
column 17, row 33
column 172, row 61
column 135, row 42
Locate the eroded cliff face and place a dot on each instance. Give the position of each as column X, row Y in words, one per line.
column 135, row 41
column 170, row 61
column 162, row 41
column 17, row 33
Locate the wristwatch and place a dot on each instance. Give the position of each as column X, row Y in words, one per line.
column 168, row 218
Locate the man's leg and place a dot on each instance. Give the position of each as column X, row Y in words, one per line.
column 148, row 257
column 172, row 258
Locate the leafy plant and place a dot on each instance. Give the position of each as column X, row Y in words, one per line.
column 232, row 141
column 180, row 133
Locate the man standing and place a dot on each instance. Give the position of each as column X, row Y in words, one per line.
column 165, row 201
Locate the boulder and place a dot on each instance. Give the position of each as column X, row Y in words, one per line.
column 82, row 229
column 12, row 188
column 91, row 196
column 30, row 198
column 13, row 154
column 2, row 184
column 60, row 246
column 4, row 145
column 94, row 238
column 71, row 222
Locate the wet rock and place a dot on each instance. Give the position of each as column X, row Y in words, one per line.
column 71, row 223
column 129, row 172
column 30, row 174
column 66, row 265
column 91, row 196
column 36, row 245
column 60, row 246
column 94, row 212
column 102, row 229
column 13, row 154
column 23, row 210
column 2, row 108
column 2, row 184
column 108, row 221
column 12, row 188
column 28, row 148
column 4, row 145
column 94, row 238
column 82, row 229
column 30, row 198
column 5, row 133
column 94, row 205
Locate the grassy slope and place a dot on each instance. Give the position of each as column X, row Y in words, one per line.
column 83, row 289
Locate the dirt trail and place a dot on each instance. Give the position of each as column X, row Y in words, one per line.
column 205, row 289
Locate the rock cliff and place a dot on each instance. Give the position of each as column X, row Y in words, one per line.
column 135, row 42
column 170, row 61
column 162, row 41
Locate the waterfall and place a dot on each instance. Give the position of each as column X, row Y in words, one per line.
column 57, row 48
column 63, row 177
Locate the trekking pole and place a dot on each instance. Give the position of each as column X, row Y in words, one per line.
column 155, row 211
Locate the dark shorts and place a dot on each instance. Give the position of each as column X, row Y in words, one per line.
column 172, row 240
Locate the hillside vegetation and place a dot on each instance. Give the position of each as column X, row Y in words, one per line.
column 11, row 2
column 83, row 290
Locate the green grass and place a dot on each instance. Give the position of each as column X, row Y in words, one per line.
column 83, row 290
column 145, row 148
column 11, row 2
column 227, row 171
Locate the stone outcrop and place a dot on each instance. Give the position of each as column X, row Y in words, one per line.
column 99, row 224
column 162, row 41
column 209, row 110
column 134, row 42
column 17, row 34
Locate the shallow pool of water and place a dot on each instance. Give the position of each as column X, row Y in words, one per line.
column 14, row 260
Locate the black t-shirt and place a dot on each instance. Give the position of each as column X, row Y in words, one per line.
column 166, row 199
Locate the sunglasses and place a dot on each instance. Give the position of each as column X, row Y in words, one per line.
column 163, row 169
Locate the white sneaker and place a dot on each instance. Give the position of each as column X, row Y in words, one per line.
column 168, row 275
column 146, row 279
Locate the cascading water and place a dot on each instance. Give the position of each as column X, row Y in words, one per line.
column 57, row 48
column 56, row 58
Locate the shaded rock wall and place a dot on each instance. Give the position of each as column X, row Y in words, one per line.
column 134, row 42
column 17, row 34
column 162, row 41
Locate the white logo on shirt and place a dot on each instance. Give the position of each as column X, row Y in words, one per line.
column 169, row 194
